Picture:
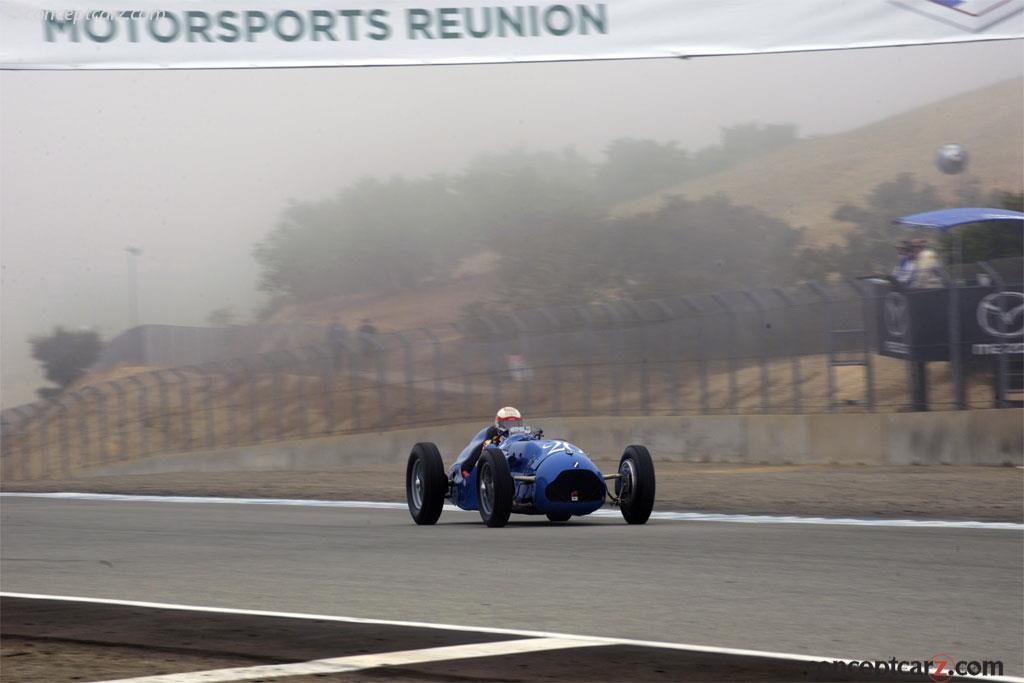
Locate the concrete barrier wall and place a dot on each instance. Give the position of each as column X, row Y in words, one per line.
column 975, row 437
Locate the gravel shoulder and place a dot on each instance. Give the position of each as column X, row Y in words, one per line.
column 934, row 492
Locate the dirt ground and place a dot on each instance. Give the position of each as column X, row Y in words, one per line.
column 933, row 492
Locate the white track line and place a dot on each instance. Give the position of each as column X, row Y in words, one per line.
column 359, row 662
column 585, row 641
column 664, row 516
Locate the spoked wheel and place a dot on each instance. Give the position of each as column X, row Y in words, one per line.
column 495, row 488
column 635, row 485
column 425, row 483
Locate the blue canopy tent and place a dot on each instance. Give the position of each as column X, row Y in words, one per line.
column 945, row 219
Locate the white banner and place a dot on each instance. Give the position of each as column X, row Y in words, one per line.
column 183, row 34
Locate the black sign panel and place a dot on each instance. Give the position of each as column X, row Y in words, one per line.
column 915, row 324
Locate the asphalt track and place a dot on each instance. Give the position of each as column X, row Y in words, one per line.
column 832, row 591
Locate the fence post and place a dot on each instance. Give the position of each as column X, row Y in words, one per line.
column 762, row 348
column 955, row 347
column 301, row 363
column 435, row 344
column 142, row 404
column 82, row 427
column 12, row 453
column 351, row 361
column 733, row 391
column 65, row 441
column 1001, row 364
column 371, row 346
column 795, row 358
column 45, row 415
column 307, row 375
column 36, row 416
column 556, row 365
column 102, row 433
column 185, row 397
column 254, row 408
column 277, row 402
column 641, row 331
column 588, row 363
column 165, row 409
column 207, row 371
column 327, row 358
column 499, row 377
column 122, row 419
column 705, row 403
column 673, row 374
column 410, row 376
column 867, row 294
column 524, row 348
column 616, row 369
column 234, row 400
column 829, row 340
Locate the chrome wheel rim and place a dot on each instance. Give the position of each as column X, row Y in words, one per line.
column 486, row 488
column 627, row 470
column 417, row 484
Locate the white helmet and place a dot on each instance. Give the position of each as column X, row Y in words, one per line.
column 508, row 419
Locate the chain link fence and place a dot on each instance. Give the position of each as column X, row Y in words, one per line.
column 795, row 350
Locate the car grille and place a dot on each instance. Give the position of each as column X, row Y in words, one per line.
column 585, row 484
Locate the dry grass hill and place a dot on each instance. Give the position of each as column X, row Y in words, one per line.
column 804, row 183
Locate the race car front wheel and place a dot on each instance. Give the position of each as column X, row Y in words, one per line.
column 425, row 483
column 494, row 488
column 635, row 485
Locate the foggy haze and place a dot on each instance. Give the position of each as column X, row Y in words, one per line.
column 195, row 167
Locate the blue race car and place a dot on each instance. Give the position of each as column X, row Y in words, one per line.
column 501, row 472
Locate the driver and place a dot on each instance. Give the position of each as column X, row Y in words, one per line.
column 506, row 420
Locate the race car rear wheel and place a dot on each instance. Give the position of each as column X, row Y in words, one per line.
column 559, row 516
column 494, row 488
column 425, row 483
column 635, row 485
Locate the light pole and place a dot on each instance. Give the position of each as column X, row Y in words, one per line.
column 133, row 254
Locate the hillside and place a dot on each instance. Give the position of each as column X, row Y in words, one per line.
column 433, row 302
column 804, row 183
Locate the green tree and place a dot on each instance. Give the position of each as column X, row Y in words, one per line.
column 65, row 356
column 544, row 212
column 708, row 244
column 868, row 244
column 633, row 168
column 991, row 240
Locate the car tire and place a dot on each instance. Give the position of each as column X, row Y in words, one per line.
column 635, row 486
column 559, row 516
column 494, row 488
column 425, row 483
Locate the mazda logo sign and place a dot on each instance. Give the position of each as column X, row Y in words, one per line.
column 1002, row 314
column 897, row 317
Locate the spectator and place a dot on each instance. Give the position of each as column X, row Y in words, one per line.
column 337, row 336
column 367, row 327
column 903, row 271
column 366, row 332
column 927, row 270
column 919, row 267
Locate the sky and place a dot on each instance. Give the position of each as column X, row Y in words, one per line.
column 194, row 167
